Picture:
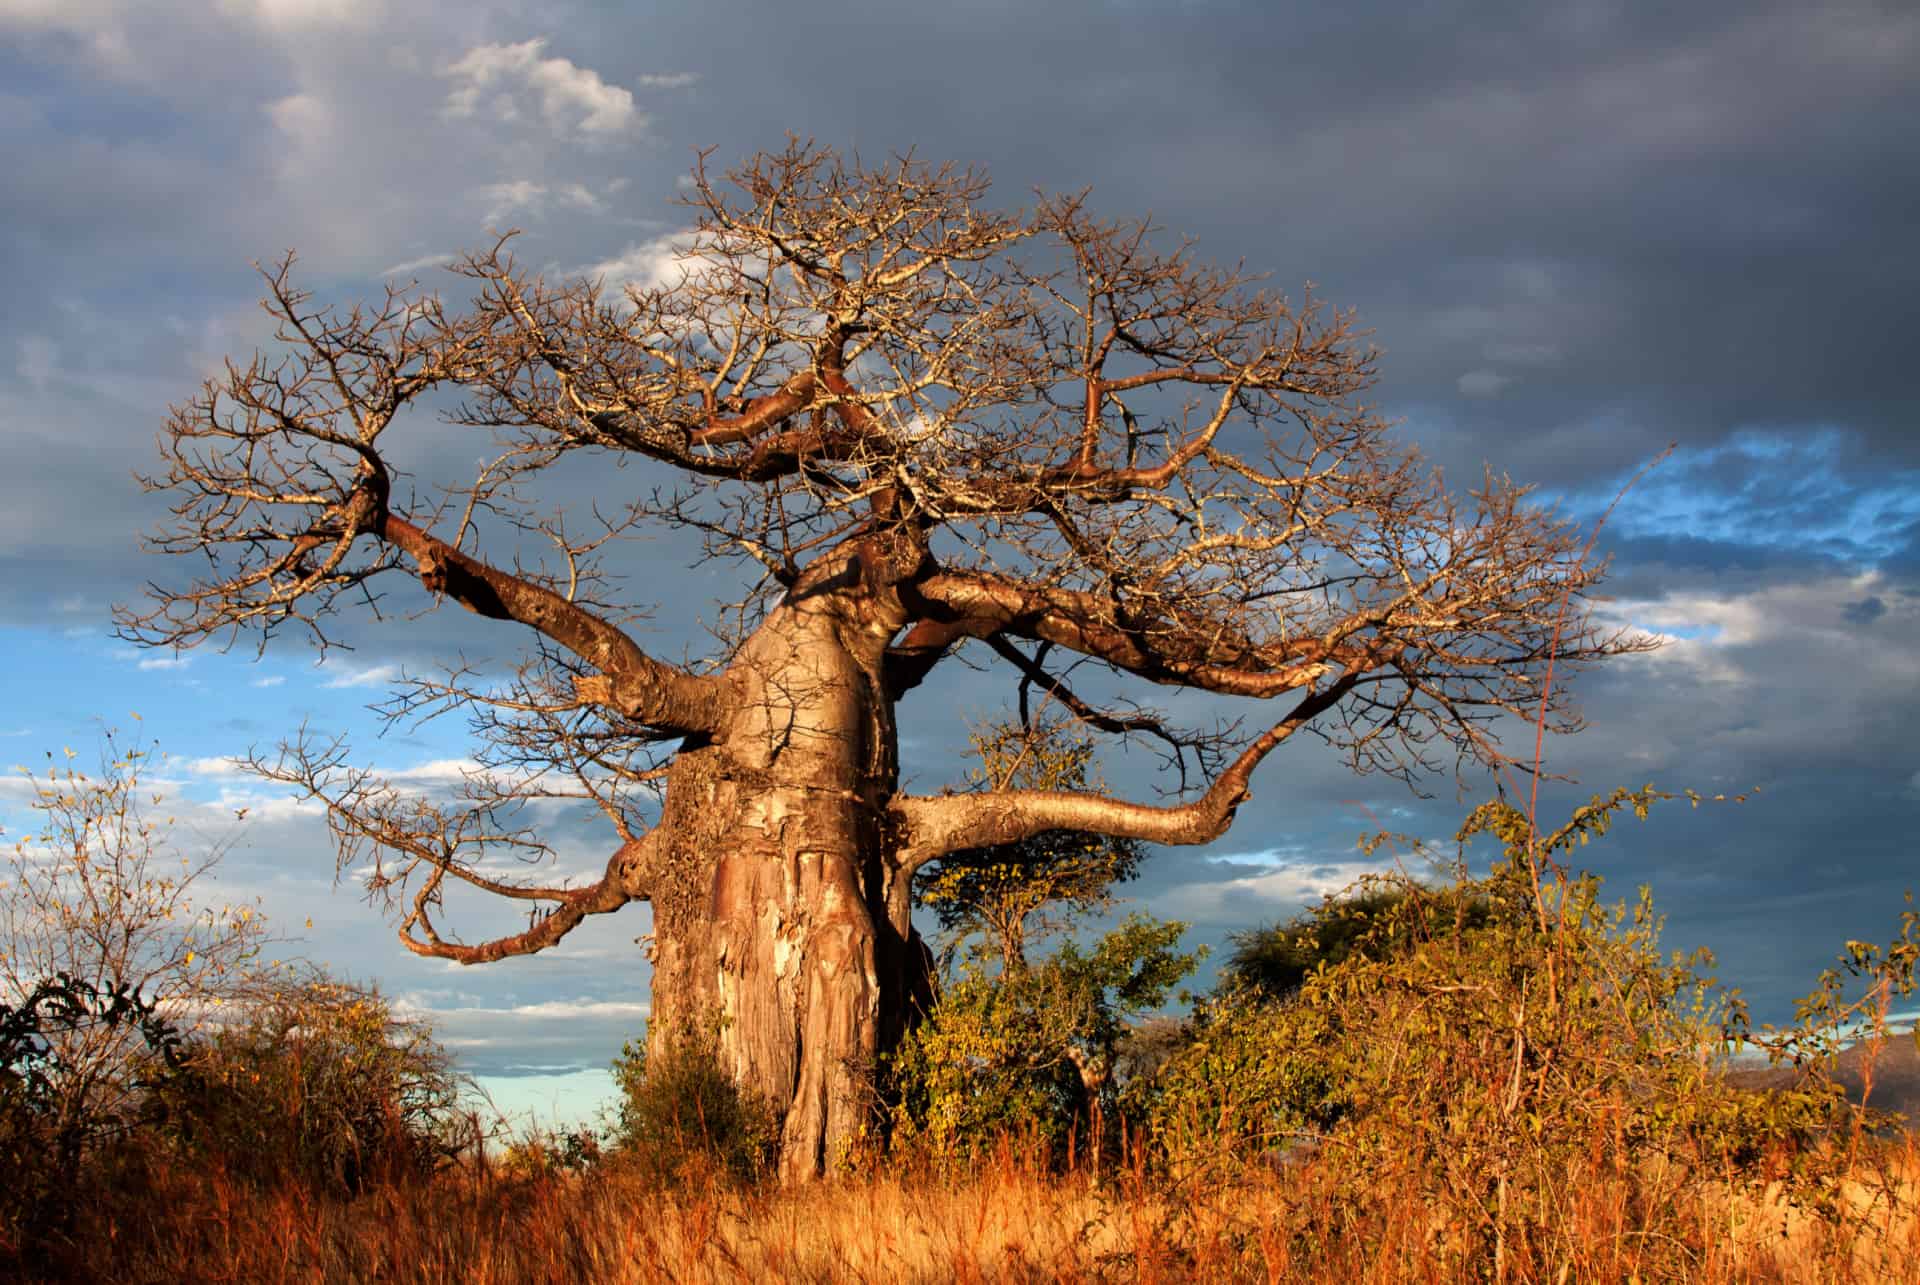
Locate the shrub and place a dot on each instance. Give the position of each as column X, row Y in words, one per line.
column 1253, row 1078
column 680, row 1113
column 50, row 1125
column 316, row 1079
column 1486, row 1042
column 97, row 889
column 1032, row 1050
column 545, row 1154
column 1274, row 961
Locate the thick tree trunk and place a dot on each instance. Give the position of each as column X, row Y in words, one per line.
column 777, row 905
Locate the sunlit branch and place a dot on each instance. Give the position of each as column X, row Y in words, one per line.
column 935, row 825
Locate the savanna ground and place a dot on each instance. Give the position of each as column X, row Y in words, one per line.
column 1007, row 1218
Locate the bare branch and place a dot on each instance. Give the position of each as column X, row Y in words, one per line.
column 410, row 847
column 932, row 826
column 606, row 895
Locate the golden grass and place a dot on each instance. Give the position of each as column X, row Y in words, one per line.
column 1004, row 1221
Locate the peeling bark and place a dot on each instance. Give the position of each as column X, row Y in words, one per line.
column 777, row 906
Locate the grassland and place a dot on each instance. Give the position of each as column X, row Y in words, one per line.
column 1007, row 1218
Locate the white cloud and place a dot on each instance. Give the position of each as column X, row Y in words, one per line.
column 166, row 662
column 569, row 95
column 225, row 768
column 541, row 1036
column 271, row 680
column 1812, row 614
column 312, row 143
column 435, row 772
column 504, row 198
column 304, row 118
column 668, row 80
column 306, row 13
column 367, row 676
column 1272, row 895
column 648, row 265
column 1482, row 383
column 414, row 265
column 1726, row 654
column 554, row 1008
column 524, row 194
column 667, row 261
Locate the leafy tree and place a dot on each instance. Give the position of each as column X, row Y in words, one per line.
column 1032, row 1050
column 922, row 427
column 1033, row 886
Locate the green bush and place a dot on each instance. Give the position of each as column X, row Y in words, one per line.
column 1031, row 1050
column 1275, row 961
column 546, row 1154
column 1253, row 1078
column 1488, row 1041
column 681, row 1114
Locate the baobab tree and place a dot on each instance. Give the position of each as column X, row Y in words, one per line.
column 924, row 428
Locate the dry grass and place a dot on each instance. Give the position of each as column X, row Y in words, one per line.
column 1003, row 1221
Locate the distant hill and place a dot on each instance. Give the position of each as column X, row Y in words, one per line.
column 1896, row 1076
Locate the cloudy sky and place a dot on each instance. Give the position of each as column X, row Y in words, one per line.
column 1579, row 231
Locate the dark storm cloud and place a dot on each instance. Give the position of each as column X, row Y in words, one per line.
column 1580, row 230
column 1865, row 611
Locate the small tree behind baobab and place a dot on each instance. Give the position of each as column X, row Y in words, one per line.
column 925, row 428
column 1001, row 892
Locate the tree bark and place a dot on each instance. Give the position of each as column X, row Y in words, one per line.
column 777, row 906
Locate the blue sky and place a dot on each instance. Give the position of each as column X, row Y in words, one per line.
column 1578, row 231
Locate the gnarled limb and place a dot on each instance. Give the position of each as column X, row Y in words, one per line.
column 283, row 485
column 932, row 826
column 630, row 682
column 603, row 896
column 373, row 820
column 1166, row 651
